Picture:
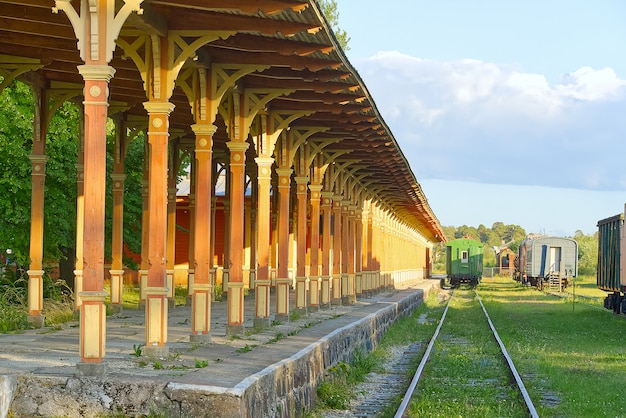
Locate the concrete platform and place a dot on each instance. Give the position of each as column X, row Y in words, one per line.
column 264, row 373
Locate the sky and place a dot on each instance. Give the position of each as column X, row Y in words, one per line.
column 507, row 111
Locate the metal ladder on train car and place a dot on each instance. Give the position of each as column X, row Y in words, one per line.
column 554, row 281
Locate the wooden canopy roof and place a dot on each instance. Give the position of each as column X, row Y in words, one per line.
column 289, row 40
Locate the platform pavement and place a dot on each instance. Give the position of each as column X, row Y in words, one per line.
column 222, row 364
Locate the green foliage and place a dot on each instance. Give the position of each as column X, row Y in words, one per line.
column 329, row 9
column 587, row 253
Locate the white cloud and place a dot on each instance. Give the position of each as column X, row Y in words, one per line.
column 592, row 85
column 473, row 119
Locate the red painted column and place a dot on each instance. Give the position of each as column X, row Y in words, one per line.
column 263, row 283
column 202, row 291
column 156, row 286
column 352, row 253
column 359, row 252
column 117, row 233
column 336, row 284
column 237, row 195
column 282, row 281
column 345, row 254
column 92, row 311
column 327, row 204
column 38, row 160
column 314, row 273
column 302, row 202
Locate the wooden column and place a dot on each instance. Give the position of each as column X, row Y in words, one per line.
column 352, row 253
column 38, row 160
column 202, row 285
column 283, row 281
column 80, row 216
column 358, row 257
column 327, row 204
column 93, row 311
column 314, row 273
column 191, row 256
column 156, row 286
column 345, row 254
column 237, row 195
column 117, row 232
column 170, row 247
column 302, row 202
column 263, row 283
column 336, row 283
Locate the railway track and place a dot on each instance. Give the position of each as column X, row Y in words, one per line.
column 472, row 338
column 486, row 361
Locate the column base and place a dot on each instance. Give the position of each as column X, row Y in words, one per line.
column 156, row 351
column 300, row 311
column 37, row 321
column 345, row 300
column 352, row 299
column 314, row 308
column 171, row 303
column 200, row 338
column 281, row 317
column 91, row 369
column 336, row 302
column 262, row 323
column 234, row 330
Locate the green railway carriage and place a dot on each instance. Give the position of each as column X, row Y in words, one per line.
column 608, row 277
column 464, row 261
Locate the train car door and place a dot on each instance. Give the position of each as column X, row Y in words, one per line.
column 555, row 259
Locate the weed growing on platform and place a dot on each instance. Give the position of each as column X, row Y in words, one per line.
column 246, row 348
column 200, row 364
column 279, row 336
column 137, row 349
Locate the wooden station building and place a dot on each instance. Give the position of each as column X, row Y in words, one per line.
column 256, row 90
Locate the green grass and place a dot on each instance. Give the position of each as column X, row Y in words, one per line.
column 571, row 355
column 466, row 375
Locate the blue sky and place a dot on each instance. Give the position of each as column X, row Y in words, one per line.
column 507, row 111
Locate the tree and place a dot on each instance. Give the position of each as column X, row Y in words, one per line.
column 329, row 8
column 587, row 253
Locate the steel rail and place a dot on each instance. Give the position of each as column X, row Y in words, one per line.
column 409, row 393
column 520, row 384
column 518, row 379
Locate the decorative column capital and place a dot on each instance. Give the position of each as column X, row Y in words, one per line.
column 204, row 129
column 160, row 107
column 95, row 72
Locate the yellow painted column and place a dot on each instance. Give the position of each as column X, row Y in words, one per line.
column 302, row 202
column 235, row 277
column 202, row 286
column 191, row 260
column 282, row 280
column 263, row 283
column 358, row 256
column 156, row 286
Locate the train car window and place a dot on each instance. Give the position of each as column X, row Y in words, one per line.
column 464, row 257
